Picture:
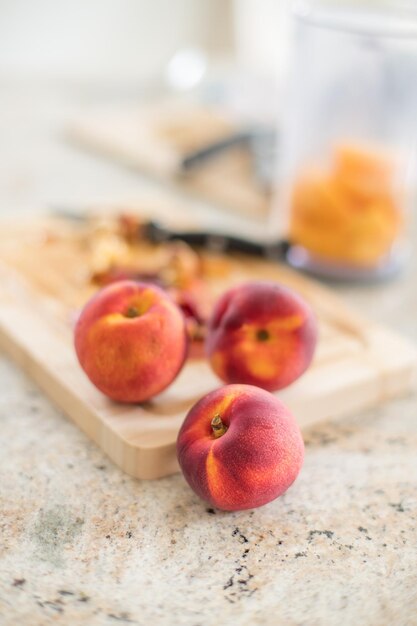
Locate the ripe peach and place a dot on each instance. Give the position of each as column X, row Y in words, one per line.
column 261, row 333
column 240, row 447
column 130, row 340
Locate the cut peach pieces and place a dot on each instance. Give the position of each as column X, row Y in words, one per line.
column 364, row 170
column 350, row 214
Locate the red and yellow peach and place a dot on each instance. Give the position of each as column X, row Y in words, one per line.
column 240, row 447
column 131, row 341
column 261, row 333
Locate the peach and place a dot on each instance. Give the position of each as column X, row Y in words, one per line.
column 261, row 333
column 240, row 447
column 130, row 340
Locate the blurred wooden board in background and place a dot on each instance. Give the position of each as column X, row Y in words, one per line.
column 155, row 138
column 44, row 281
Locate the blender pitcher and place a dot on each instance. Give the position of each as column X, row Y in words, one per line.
column 347, row 151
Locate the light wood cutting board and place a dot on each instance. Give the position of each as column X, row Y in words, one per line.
column 358, row 364
column 154, row 138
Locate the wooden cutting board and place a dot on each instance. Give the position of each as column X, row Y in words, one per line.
column 43, row 281
column 154, row 139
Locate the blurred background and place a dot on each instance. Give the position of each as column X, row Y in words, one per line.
column 134, row 39
column 84, row 87
column 57, row 59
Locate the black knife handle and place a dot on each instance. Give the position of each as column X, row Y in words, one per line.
column 216, row 242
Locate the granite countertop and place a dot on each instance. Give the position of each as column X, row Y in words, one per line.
column 82, row 543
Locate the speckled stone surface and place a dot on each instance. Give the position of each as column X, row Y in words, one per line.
column 82, row 543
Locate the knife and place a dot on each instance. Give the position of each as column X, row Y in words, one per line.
column 199, row 156
column 262, row 143
column 155, row 232
column 216, row 242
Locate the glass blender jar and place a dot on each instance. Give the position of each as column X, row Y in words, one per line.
column 348, row 142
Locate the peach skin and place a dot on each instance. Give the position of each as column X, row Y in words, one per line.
column 240, row 447
column 261, row 333
column 130, row 340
